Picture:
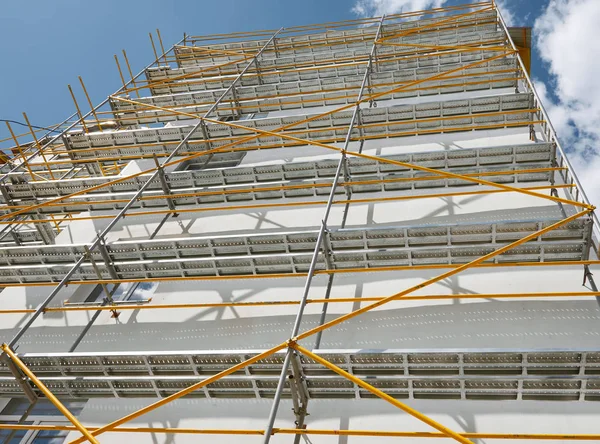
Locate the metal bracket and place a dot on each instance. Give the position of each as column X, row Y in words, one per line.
column 532, row 104
column 347, row 176
column 588, row 276
column 588, row 237
column 347, row 189
column 360, row 130
column 299, row 393
column 553, row 163
column 5, row 194
column 372, row 103
column 44, row 228
column 108, row 263
column 258, row 75
column 207, row 142
column 165, row 186
column 107, row 294
column 9, row 229
column 21, row 379
column 327, row 248
column 237, row 112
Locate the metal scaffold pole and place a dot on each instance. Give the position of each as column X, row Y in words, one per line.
column 73, row 125
column 100, row 238
column 319, row 244
column 218, row 184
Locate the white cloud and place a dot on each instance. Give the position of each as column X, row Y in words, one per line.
column 568, row 39
column 507, row 14
column 372, row 8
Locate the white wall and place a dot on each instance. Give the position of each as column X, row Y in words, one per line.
column 473, row 323
column 363, row 414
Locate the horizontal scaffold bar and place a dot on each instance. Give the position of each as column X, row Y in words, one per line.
column 145, row 304
column 468, row 374
column 289, row 254
column 328, row 40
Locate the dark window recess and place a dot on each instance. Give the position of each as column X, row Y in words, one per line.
column 50, row 437
column 43, row 407
column 130, row 291
column 18, row 407
column 17, row 436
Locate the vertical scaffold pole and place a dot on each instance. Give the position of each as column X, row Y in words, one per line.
column 313, row 263
column 133, row 200
column 72, row 125
column 40, row 385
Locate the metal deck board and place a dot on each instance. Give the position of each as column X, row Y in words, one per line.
column 381, row 122
column 290, row 252
column 493, row 374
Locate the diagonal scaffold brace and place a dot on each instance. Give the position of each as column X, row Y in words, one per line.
column 40, row 309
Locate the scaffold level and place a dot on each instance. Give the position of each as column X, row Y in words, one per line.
column 404, row 374
column 333, row 170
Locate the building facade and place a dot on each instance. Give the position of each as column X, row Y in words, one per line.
column 332, row 233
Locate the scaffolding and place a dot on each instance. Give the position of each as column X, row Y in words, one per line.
column 206, row 104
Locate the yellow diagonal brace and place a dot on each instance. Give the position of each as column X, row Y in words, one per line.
column 376, row 158
column 440, row 277
column 413, row 435
column 270, row 205
column 250, row 138
column 336, row 300
column 185, row 391
column 331, row 324
column 231, row 277
column 223, row 148
column 211, row 51
column 420, row 416
column 455, row 18
column 246, row 103
column 455, row 48
column 256, row 188
column 87, row 435
column 185, row 76
column 199, row 209
column 407, row 165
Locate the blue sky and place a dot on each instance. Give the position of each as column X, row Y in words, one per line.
column 49, row 43
column 52, row 42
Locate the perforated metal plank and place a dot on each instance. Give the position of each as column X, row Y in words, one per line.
column 23, row 234
column 306, row 189
column 291, row 252
column 493, row 374
column 197, row 63
column 163, row 92
column 316, row 41
column 300, row 44
column 444, row 62
column 381, row 122
column 255, row 188
column 534, row 155
column 403, row 47
column 401, row 70
column 272, row 97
